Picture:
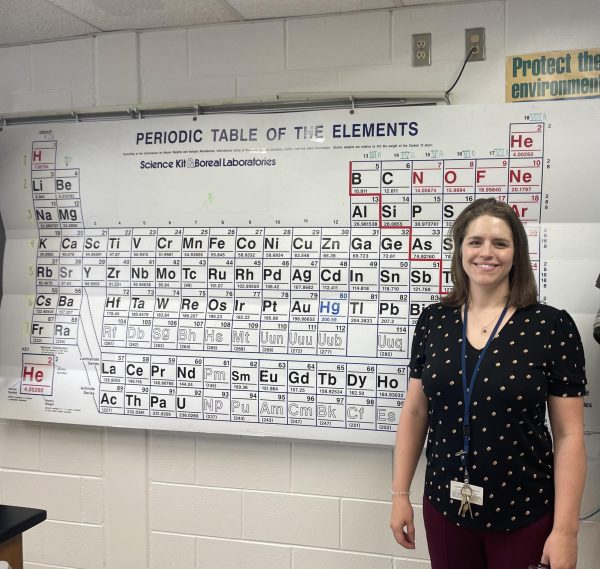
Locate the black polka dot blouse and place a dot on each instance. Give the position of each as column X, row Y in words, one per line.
column 537, row 353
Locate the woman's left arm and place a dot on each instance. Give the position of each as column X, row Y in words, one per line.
column 566, row 421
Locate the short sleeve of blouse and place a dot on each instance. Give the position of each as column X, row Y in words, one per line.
column 417, row 354
column 566, row 361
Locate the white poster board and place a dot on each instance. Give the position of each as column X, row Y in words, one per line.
column 262, row 274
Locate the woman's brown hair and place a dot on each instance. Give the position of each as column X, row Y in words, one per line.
column 523, row 290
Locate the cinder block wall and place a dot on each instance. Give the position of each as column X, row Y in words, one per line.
column 135, row 499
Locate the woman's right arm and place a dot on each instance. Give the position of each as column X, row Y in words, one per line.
column 410, row 438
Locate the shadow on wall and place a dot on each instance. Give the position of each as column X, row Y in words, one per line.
column 2, row 244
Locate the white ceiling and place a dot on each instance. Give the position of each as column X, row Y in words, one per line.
column 28, row 21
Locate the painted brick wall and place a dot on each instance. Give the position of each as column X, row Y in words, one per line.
column 165, row 500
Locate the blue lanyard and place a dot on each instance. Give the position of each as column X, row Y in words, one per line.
column 468, row 391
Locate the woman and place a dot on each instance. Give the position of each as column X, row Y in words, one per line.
column 485, row 364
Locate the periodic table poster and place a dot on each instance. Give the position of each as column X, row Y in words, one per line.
column 263, row 274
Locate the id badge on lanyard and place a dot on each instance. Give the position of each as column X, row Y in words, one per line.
column 468, row 493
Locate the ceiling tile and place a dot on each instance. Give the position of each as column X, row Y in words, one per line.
column 29, row 21
column 427, row 2
column 144, row 14
column 256, row 9
column 26, row 21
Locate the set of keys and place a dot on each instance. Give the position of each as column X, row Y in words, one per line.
column 466, row 493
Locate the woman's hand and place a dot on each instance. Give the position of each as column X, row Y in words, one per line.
column 402, row 522
column 560, row 550
column 409, row 444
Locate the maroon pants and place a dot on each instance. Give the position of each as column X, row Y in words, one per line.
column 454, row 547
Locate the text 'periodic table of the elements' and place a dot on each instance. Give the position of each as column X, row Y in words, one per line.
column 260, row 275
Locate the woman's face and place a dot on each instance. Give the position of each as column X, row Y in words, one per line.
column 488, row 252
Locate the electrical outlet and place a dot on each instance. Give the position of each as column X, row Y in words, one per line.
column 475, row 40
column 421, row 52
